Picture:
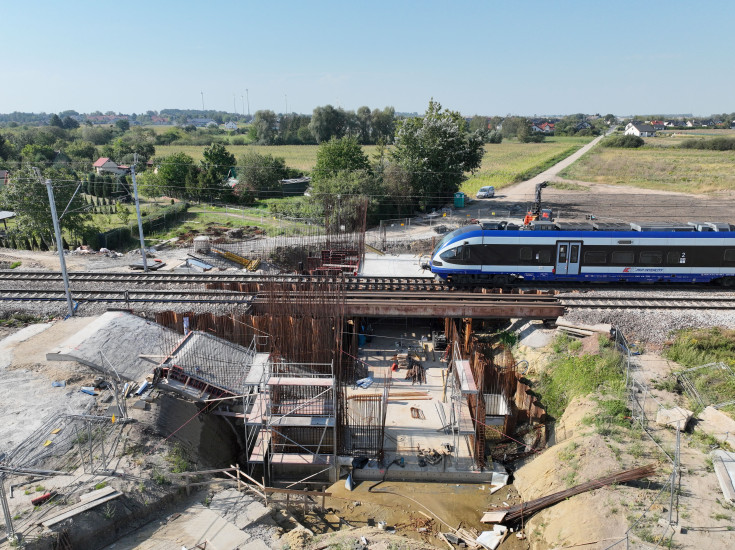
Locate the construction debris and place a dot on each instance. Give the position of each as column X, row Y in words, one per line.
column 674, row 417
column 724, row 463
column 527, row 509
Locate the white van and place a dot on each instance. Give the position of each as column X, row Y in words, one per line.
column 487, row 192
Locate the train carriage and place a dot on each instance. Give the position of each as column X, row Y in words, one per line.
column 696, row 252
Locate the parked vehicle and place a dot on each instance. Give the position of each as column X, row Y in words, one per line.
column 486, row 192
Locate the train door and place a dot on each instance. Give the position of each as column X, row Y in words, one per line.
column 568, row 254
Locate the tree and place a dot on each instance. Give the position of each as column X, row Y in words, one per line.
column 327, row 122
column 339, row 155
column 55, row 120
column 365, row 124
column 259, row 175
column 478, row 123
column 27, row 197
column 122, row 124
column 81, row 150
column 173, row 171
column 265, row 126
column 69, row 123
column 437, row 150
column 384, row 125
column 123, row 213
column 215, row 167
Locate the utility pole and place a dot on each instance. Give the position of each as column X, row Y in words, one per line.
column 202, row 100
column 247, row 95
column 242, row 98
column 59, row 241
column 137, row 211
column 234, row 103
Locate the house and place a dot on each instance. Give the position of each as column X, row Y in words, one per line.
column 103, row 164
column 640, row 129
column 584, row 125
column 544, row 127
column 229, row 125
column 536, row 127
column 690, row 124
column 202, row 122
column 658, row 125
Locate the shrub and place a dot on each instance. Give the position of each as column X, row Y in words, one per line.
column 630, row 142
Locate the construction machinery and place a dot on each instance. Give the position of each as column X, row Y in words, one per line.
column 537, row 213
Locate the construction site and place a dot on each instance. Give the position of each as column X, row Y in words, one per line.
column 271, row 417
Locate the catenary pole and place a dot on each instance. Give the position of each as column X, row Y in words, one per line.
column 59, row 244
column 140, row 221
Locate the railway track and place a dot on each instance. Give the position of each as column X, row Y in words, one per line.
column 648, row 302
column 128, row 296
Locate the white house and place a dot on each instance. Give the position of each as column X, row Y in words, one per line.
column 639, row 129
column 103, row 164
column 229, row 125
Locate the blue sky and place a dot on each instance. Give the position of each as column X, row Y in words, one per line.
column 482, row 57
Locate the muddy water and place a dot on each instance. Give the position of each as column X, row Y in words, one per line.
column 400, row 508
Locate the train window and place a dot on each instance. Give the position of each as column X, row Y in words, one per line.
column 574, row 256
column 623, row 257
column 674, row 257
column 454, row 254
column 562, row 253
column 526, row 254
column 651, row 257
column 543, row 256
column 730, row 255
column 595, row 257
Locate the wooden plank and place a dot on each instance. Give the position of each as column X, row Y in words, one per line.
column 494, row 517
column 94, row 495
column 79, row 509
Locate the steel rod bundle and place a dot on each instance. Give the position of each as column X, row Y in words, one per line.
column 526, row 509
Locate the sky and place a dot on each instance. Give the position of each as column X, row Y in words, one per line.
column 477, row 57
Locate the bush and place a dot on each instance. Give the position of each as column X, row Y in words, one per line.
column 714, row 144
column 629, row 142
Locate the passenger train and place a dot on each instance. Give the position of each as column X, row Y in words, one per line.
column 502, row 252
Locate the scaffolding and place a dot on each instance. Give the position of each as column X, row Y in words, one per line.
column 291, row 422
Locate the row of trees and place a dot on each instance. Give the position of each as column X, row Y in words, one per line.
column 325, row 123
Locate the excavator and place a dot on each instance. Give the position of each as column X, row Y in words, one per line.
column 537, row 213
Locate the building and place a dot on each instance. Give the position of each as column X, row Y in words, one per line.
column 229, row 125
column 105, row 165
column 640, row 129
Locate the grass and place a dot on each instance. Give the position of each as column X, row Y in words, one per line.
column 570, row 376
column 101, row 485
column 301, row 157
column 568, row 453
column 659, row 164
column 510, row 162
column 177, row 459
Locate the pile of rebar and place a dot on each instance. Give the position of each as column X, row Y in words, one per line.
column 526, row 509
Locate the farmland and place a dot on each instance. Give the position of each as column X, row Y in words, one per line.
column 510, row 162
column 659, row 165
column 503, row 164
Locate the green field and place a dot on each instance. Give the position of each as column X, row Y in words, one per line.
column 301, row 157
column 510, row 162
column 503, row 164
column 658, row 166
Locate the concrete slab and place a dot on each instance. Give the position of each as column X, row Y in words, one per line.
column 674, row 417
column 717, row 424
column 534, row 335
column 392, row 265
column 207, row 526
column 238, row 508
column 724, row 463
column 122, row 337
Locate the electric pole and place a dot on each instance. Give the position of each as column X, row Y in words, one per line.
column 247, row 95
column 59, row 241
column 202, row 100
column 242, row 97
column 137, row 211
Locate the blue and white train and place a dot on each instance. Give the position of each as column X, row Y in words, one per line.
column 500, row 253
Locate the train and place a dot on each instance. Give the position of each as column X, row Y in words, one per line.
column 501, row 252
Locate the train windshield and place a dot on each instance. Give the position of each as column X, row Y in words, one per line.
column 449, row 236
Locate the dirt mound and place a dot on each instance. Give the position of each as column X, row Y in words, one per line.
column 582, row 455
